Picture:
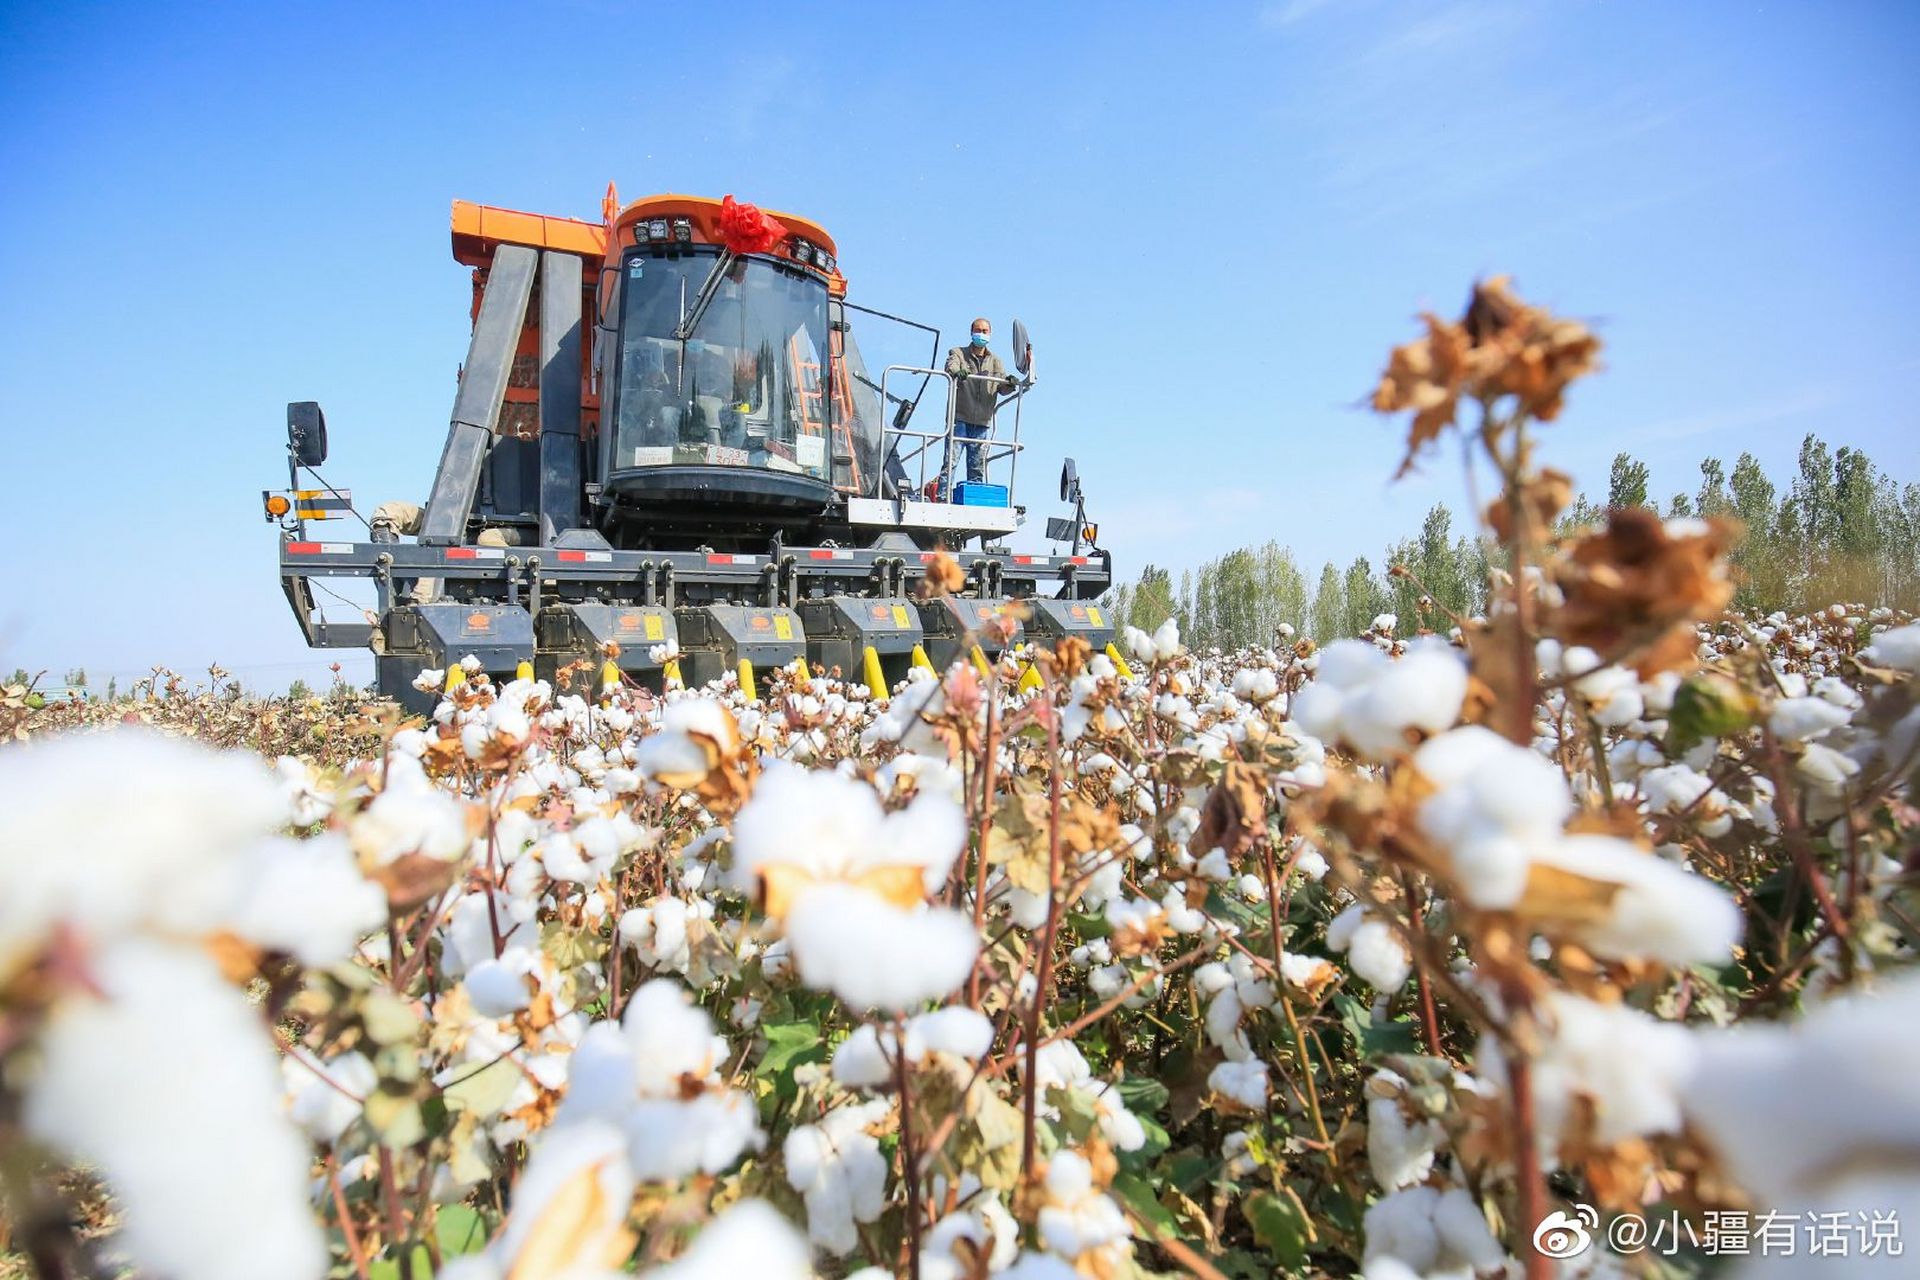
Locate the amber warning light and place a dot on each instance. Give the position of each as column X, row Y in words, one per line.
column 313, row 504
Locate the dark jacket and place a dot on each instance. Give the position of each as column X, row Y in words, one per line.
column 978, row 383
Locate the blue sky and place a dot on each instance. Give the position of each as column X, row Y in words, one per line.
column 1215, row 220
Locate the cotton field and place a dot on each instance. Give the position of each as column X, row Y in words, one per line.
column 1572, row 939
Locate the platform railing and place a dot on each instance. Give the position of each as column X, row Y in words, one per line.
column 911, row 446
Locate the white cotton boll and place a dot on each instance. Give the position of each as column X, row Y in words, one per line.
column 430, row 679
column 1311, row 863
column 467, row 937
column 308, row 899
column 749, row 1239
column 411, row 816
column 957, row 1030
column 1429, row 1232
column 1166, row 640
column 306, row 804
column 1400, row 1151
column 1059, row 1064
column 689, row 728
column 1340, row 929
column 838, row 1169
column 834, row 827
column 1347, row 664
column 1212, row 978
column 1181, row 918
column 1628, row 1067
column 1793, row 1109
column 1027, row 909
column 1838, row 692
column 1121, row 1128
column 1215, row 866
column 1255, row 684
column 1109, row 980
column 668, row 1139
column 600, row 1076
column 860, row 1062
column 561, row 1158
column 671, row 1038
column 600, row 841
column 123, row 830
column 1824, row 769
column 1898, row 648
column 1661, row 911
column 1223, row 1016
column 1139, row 644
column 873, row 955
column 1306, row 972
column 564, row 862
column 1317, row 709
column 323, row 1098
column 1422, row 690
column 1078, row 1219
column 170, row 1088
column 1494, row 802
column 1242, row 1082
column 1800, row 719
column 1378, row 955
column 1491, row 867
column 499, row 988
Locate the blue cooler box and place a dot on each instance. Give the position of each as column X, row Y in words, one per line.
column 969, row 494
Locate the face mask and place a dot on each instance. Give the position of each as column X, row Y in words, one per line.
column 979, row 339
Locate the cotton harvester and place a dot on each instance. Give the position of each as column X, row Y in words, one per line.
column 665, row 441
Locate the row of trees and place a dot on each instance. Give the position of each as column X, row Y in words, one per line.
column 1841, row 530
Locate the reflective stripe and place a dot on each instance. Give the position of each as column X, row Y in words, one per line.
column 580, row 557
column 476, row 553
column 828, row 553
column 733, row 559
column 319, row 548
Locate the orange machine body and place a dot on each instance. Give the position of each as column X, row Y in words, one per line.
column 480, row 229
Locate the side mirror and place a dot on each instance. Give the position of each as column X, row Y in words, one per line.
column 306, row 433
column 1069, row 481
column 1022, row 349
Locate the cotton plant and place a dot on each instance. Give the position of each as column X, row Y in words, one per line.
column 1356, row 959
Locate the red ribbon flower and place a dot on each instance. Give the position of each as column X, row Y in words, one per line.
column 745, row 229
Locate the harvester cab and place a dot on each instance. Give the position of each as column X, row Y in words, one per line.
column 666, row 449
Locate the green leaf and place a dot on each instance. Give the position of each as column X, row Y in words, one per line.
column 1136, row 1193
column 1279, row 1225
column 791, row 1043
column 1143, row 1095
column 1375, row 1039
column 387, row 1018
column 1090, row 926
column 389, row 1268
column 482, row 1092
column 1078, row 1119
column 460, row 1229
column 1707, row 706
column 395, row 1118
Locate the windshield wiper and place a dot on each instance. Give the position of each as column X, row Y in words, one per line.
column 690, row 320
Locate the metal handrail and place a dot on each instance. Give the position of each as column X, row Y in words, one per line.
column 992, row 447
